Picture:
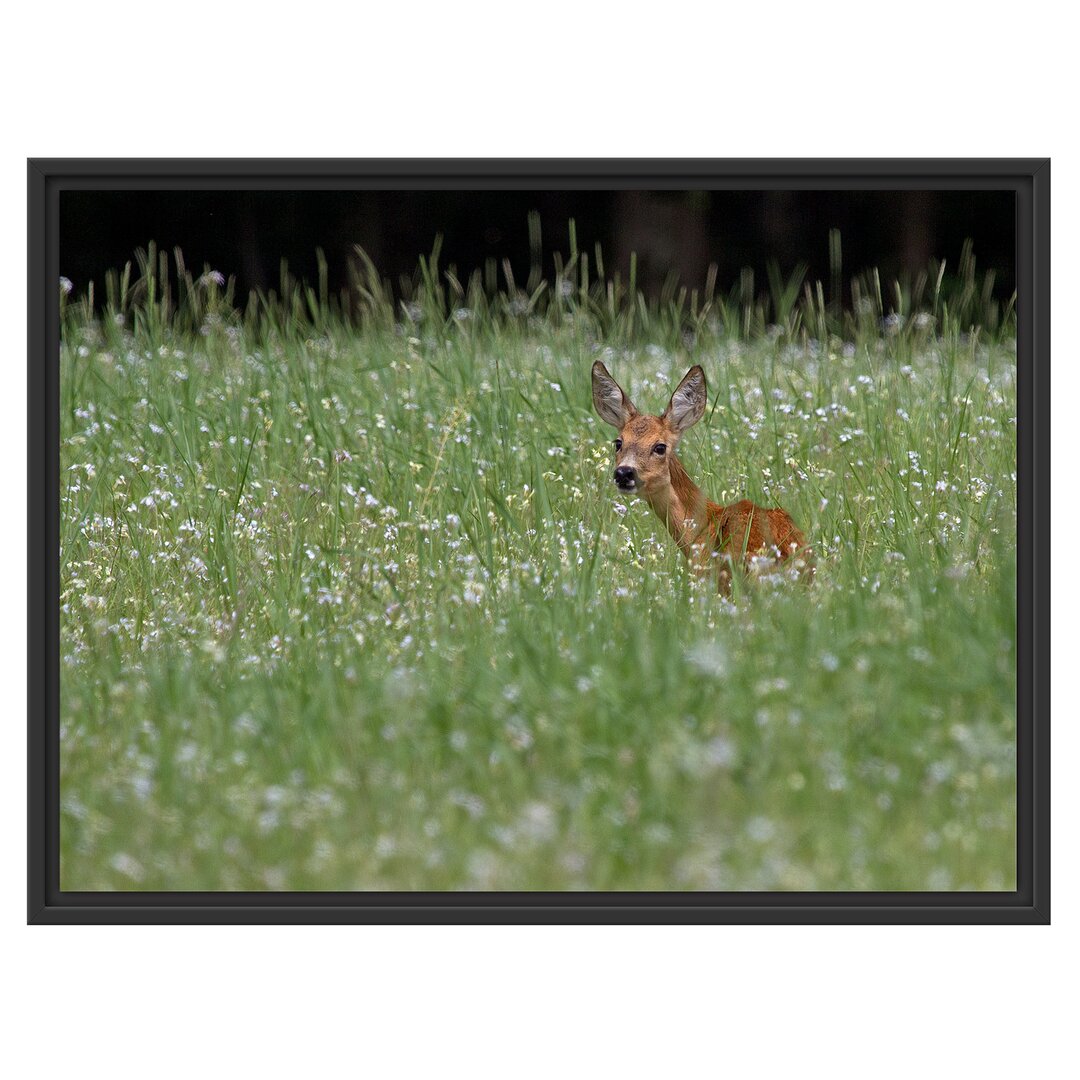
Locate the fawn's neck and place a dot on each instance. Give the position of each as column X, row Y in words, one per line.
column 680, row 505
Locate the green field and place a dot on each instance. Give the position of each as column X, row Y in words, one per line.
column 352, row 603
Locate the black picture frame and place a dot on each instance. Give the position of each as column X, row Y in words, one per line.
column 1029, row 179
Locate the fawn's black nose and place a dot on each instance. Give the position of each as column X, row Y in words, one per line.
column 626, row 477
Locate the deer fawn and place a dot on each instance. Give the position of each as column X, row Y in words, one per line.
column 707, row 533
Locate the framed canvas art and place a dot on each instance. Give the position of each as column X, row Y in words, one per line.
column 539, row 541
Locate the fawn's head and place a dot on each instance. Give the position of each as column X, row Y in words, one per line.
column 644, row 442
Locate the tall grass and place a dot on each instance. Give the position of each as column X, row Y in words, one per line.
column 349, row 600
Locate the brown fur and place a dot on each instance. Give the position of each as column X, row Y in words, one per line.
column 712, row 536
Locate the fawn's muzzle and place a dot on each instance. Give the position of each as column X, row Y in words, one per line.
column 626, row 478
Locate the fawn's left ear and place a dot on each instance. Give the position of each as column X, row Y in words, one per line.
column 687, row 404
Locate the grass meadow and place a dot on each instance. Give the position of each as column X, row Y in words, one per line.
column 350, row 602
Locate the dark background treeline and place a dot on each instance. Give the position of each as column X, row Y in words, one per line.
column 248, row 233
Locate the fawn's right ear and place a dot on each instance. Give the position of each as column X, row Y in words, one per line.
column 614, row 407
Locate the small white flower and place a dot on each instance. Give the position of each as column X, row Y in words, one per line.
column 720, row 751
column 760, row 829
column 128, row 865
column 709, row 657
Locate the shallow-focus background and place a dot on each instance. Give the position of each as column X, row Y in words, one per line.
column 671, row 233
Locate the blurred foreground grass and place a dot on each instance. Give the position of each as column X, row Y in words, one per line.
column 351, row 603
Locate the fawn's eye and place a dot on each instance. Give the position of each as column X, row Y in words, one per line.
column 618, row 444
column 660, row 448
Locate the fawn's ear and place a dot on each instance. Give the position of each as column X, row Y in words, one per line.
column 614, row 407
column 687, row 404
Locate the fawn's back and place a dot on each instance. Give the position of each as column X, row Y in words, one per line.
column 743, row 530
